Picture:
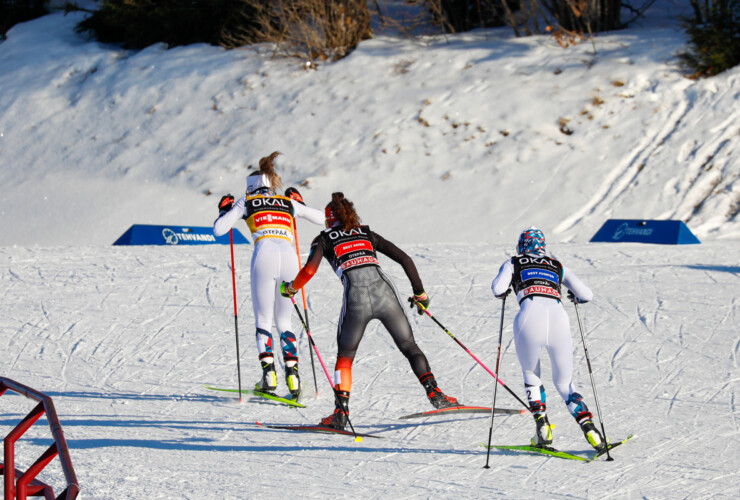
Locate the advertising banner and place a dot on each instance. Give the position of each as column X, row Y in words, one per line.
column 144, row 234
column 663, row 232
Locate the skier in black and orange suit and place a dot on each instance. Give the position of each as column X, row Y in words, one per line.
column 368, row 294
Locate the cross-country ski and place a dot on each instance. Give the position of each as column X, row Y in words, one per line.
column 462, row 409
column 550, row 451
column 315, row 428
column 260, row 394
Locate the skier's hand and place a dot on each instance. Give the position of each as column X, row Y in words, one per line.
column 286, row 290
column 227, row 201
column 503, row 295
column 421, row 302
column 294, row 195
column 572, row 297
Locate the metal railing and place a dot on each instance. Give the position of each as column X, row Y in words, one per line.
column 27, row 484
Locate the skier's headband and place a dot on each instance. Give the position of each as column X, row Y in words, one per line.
column 331, row 219
column 256, row 182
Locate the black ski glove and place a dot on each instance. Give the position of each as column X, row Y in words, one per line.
column 420, row 301
column 294, row 195
column 227, row 201
column 503, row 295
column 572, row 297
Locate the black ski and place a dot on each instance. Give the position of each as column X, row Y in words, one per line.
column 315, row 428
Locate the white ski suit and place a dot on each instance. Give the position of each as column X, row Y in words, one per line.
column 542, row 322
column 270, row 220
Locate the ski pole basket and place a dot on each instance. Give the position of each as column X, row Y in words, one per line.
column 27, row 484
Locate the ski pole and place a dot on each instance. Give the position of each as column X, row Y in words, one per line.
column 331, row 383
column 495, row 386
column 471, row 354
column 593, row 386
column 305, row 308
column 236, row 321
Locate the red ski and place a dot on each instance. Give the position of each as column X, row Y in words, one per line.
column 463, row 409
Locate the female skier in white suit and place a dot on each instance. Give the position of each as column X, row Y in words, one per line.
column 543, row 322
column 269, row 218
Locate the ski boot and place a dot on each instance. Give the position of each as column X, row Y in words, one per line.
column 543, row 434
column 338, row 419
column 268, row 382
column 293, row 381
column 593, row 436
column 438, row 398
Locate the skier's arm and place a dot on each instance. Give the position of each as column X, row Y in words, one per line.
column 312, row 264
column 575, row 285
column 225, row 222
column 387, row 248
column 308, row 213
column 502, row 281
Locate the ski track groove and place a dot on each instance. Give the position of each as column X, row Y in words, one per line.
column 623, row 176
column 674, row 398
column 729, row 310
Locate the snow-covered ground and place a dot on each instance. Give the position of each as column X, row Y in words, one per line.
column 123, row 339
column 449, row 146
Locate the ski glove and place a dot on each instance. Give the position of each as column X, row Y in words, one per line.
column 572, row 297
column 225, row 204
column 286, row 290
column 503, row 295
column 421, row 302
column 294, row 195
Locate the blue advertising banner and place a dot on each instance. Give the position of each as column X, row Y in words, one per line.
column 144, row 234
column 663, row 232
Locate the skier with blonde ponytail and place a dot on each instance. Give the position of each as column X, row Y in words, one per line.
column 269, row 218
column 369, row 294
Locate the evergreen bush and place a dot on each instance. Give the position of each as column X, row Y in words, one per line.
column 13, row 12
column 714, row 37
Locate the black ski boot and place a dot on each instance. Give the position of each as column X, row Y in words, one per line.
column 268, row 382
column 293, row 381
column 438, row 398
column 338, row 419
column 543, row 434
column 593, row 436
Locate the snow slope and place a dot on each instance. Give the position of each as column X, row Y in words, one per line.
column 97, row 138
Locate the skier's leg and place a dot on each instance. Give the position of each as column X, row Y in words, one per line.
column 389, row 311
column 560, row 350
column 529, row 336
column 262, row 286
column 283, row 315
column 353, row 320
